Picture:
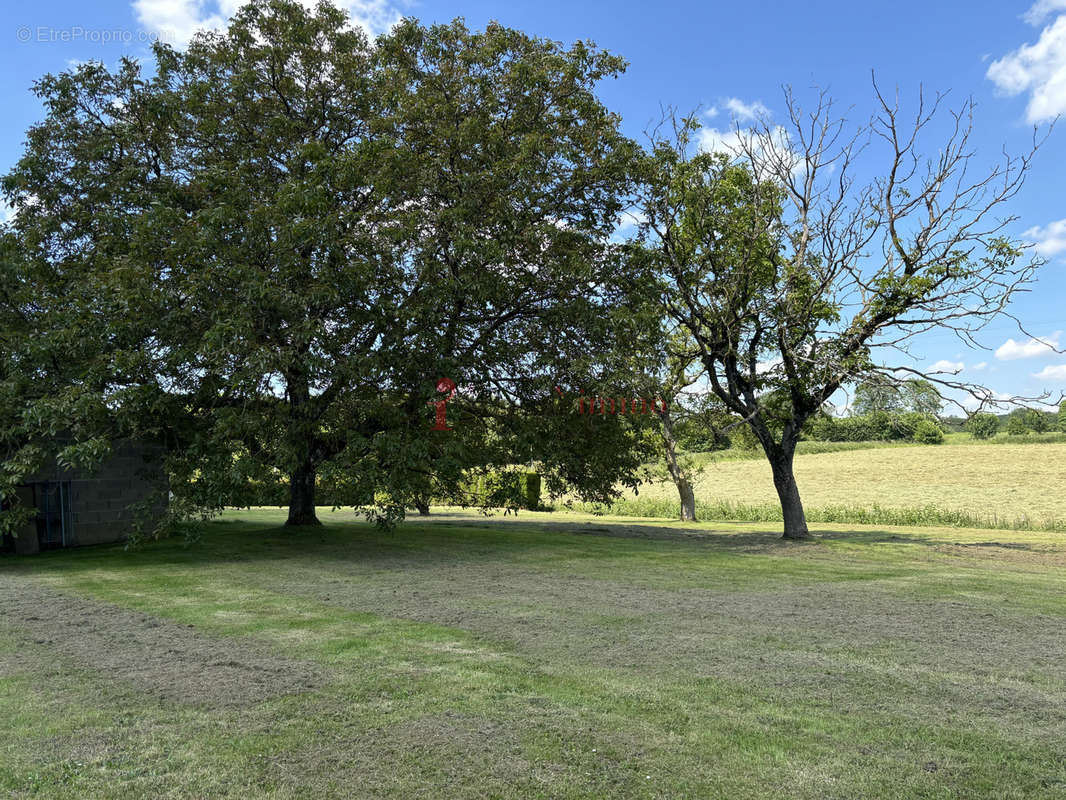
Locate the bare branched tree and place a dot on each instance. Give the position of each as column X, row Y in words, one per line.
column 795, row 279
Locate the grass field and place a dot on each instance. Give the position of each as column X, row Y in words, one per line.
column 994, row 485
column 544, row 657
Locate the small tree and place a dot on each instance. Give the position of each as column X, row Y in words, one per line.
column 983, row 426
column 1036, row 420
column 1016, row 423
column 764, row 256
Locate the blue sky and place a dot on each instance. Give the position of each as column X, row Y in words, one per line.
column 1010, row 57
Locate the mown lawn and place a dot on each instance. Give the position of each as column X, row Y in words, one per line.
column 548, row 656
column 1001, row 485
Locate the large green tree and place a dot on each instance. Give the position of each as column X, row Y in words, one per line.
column 269, row 250
column 794, row 278
column 876, row 393
column 891, row 394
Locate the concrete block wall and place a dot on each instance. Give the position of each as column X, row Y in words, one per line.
column 99, row 502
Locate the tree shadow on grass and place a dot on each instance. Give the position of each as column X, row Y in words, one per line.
column 456, row 537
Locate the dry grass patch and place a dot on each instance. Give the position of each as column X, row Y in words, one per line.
column 1004, row 482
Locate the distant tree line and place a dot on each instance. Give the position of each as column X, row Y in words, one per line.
column 879, row 413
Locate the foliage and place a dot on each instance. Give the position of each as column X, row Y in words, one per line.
column 701, row 430
column 874, row 426
column 504, row 489
column 876, row 393
column 983, row 426
column 1017, row 423
column 926, row 431
column 1036, row 421
column 269, row 249
column 760, row 254
column 921, row 397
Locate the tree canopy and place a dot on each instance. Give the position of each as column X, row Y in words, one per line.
column 878, row 393
column 794, row 280
column 268, row 252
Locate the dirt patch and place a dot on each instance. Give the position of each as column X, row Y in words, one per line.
column 160, row 657
column 1007, row 552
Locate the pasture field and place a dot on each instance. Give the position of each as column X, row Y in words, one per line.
column 548, row 656
column 994, row 485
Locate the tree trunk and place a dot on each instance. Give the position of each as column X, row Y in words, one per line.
column 302, row 496
column 677, row 472
column 788, row 493
column 422, row 504
column 302, row 428
column 688, row 500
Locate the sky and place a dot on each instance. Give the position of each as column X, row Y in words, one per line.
column 725, row 60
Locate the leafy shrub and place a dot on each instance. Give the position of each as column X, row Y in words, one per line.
column 1037, row 421
column 877, row 426
column 883, row 425
column 1016, row 425
column 906, row 424
column 529, row 483
column 820, row 428
column 696, row 438
column 983, row 426
column 926, row 431
column 505, row 489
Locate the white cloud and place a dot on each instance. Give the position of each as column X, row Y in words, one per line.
column 776, row 146
column 772, row 146
column 1040, row 68
column 745, row 111
column 175, row 21
column 628, row 222
column 1052, row 372
column 943, row 365
column 1010, row 349
column 7, row 212
column 713, row 140
column 1048, row 240
column 980, row 366
column 1042, row 9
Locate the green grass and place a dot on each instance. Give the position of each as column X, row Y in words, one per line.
column 727, row 510
column 558, row 656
